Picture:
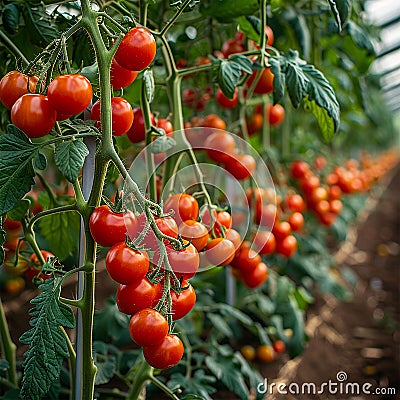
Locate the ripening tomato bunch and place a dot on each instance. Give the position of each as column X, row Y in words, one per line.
column 36, row 113
column 265, row 353
column 321, row 198
column 275, row 225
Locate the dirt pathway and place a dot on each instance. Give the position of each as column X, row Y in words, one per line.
column 356, row 343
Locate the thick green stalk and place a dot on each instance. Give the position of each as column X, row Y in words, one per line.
column 8, row 347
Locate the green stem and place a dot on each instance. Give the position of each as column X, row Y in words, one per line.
column 174, row 18
column 12, row 47
column 45, row 213
column 141, row 372
column 8, row 347
column 164, row 388
column 145, row 106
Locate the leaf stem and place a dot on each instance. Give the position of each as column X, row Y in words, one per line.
column 174, row 18
column 12, row 47
column 163, row 387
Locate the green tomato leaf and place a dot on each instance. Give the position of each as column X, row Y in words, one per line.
column 47, row 343
column 220, row 324
column 41, row 26
column 105, row 358
column 16, row 167
column 298, row 23
column 360, row 37
column 306, row 84
column 225, row 369
column 250, row 26
column 296, row 82
column 20, row 210
column 110, row 323
column 251, row 373
column 230, row 72
column 10, row 17
column 341, row 10
column 61, row 230
column 11, row 394
column 40, row 161
column 244, row 62
column 279, row 79
column 162, row 144
column 69, row 158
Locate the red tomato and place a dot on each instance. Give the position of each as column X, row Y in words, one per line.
column 322, row 207
column 232, row 46
column 309, row 183
column 184, row 206
column 122, row 115
column 165, row 124
column 14, row 85
column 287, row 246
column 327, row 218
column 256, row 277
column 165, row 355
column 246, row 260
column 318, row 194
column 136, row 50
column 148, row 327
column 336, row 206
column 265, row 83
column 234, row 236
column 195, row 232
column 264, row 242
column 223, row 222
column 184, row 263
column 265, row 353
column 226, row 102
column 33, row 114
column 12, row 225
column 241, row 166
column 299, row 169
column 220, row 251
column 183, row 303
column 219, row 146
column 213, row 121
column 254, row 124
column 270, row 35
column 70, row 94
column 205, row 217
column 126, row 265
column 279, row 346
column 166, row 225
column 335, row 193
column 276, row 114
column 137, row 132
column 296, row 221
column 295, row 202
column 266, row 214
column 108, row 227
column 281, row 229
column 136, row 296
column 121, row 77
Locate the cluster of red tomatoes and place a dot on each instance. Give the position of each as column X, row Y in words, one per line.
column 321, row 198
column 35, row 113
column 70, row 94
column 276, row 223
